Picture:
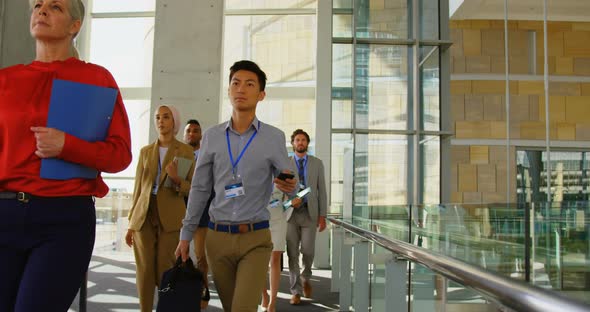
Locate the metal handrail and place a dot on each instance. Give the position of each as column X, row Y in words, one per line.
column 511, row 293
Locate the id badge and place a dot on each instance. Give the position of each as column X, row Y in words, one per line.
column 234, row 190
column 274, row 203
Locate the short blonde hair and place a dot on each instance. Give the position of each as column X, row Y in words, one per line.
column 77, row 12
column 75, row 8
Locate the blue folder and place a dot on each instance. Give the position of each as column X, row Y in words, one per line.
column 81, row 110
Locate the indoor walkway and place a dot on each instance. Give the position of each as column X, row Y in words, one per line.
column 111, row 288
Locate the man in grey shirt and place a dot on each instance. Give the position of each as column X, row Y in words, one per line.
column 240, row 159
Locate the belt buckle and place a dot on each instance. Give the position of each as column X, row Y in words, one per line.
column 22, row 197
column 243, row 228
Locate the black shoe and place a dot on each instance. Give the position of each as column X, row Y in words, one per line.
column 205, row 296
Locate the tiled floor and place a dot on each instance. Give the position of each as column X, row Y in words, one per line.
column 111, row 288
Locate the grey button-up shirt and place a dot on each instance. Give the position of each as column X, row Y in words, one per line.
column 264, row 159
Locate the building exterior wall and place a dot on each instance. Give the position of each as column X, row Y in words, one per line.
column 478, row 100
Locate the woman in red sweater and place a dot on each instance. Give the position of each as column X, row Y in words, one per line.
column 47, row 226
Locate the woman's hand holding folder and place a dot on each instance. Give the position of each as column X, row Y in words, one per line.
column 50, row 141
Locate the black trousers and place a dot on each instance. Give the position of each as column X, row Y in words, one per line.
column 45, row 249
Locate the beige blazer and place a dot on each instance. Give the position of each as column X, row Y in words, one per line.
column 171, row 206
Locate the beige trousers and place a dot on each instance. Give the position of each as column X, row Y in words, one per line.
column 199, row 241
column 239, row 263
column 154, row 254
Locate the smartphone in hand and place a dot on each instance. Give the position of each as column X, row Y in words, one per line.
column 284, row 176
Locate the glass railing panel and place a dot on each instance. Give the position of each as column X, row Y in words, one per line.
column 560, row 253
column 488, row 236
column 378, row 258
column 390, row 221
column 429, row 291
column 111, row 222
column 360, row 274
column 346, row 270
column 425, row 296
column 493, row 236
column 433, row 292
column 503, row 245
column 379, row 295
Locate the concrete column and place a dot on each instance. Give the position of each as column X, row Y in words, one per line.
column 16, row 44
column 324, row 109
column 187, row 59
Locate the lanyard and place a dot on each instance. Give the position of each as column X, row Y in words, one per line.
column 231, row 157
column 159, row 169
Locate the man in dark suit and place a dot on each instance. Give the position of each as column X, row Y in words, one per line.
column 192, row 137
column 311, row 214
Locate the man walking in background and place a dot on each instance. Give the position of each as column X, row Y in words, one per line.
column 311, row 214
column 192, row 137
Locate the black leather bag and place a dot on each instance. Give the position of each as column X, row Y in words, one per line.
column 180, row 289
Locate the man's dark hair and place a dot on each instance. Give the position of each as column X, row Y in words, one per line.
column 193, row 122
column 251, row 67
column 298, row 132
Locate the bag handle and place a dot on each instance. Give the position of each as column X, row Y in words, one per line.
column 174, row 274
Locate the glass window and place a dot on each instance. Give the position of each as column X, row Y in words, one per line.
column 380, row 176
column 109, row 6
column 342, row 174
column 112, row 210
column 342, row 4
column 342, row 25
column 138, row 112
column 341, row 114
column 125, row 47
column 387, row 19
column 270, row 4
column 283, row 47
column 381, row 87
column 381, row 95
column 128, row 55
column 430, row 89
column 430, row 169
column 428, row 19
column 342, row 69
column 285, row 114
column 559, row 223
column 570, row 179
column 342, row 86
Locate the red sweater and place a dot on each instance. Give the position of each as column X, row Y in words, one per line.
column 24, row 102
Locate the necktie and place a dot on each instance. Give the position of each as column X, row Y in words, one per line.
column 301, row 171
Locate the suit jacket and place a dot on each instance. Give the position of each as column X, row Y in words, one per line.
column 317, row 201
column 171, row 206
